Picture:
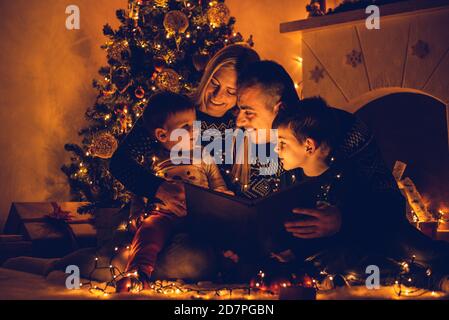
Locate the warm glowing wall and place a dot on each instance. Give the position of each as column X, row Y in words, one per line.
column 46, row 73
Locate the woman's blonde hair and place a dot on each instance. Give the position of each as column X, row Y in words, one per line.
column 235, row 56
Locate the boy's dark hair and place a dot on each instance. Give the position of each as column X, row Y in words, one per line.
column 311, row 118
column 272, row 78
column 162, row 105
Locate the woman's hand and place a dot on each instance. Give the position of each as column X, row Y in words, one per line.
column 173, row 196
column 323, row 221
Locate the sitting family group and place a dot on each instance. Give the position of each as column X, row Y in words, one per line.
column 359, row 218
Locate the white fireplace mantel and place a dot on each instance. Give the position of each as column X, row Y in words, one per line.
column 349, row 65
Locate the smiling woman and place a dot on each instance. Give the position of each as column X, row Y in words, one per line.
column 216, row 93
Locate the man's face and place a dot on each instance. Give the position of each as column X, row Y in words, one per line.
column 292, row 153
column 255, row 111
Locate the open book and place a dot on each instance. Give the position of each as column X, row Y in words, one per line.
column 233, row 221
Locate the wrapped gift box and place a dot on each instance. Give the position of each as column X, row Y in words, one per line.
column 51, row 237
column 13, row 246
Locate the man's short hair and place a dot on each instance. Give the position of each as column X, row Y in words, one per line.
column 161, row 106
column 311, row 118
column 272, row 78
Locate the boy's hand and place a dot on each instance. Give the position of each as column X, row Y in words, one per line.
column 172, row 194
column 324, row 221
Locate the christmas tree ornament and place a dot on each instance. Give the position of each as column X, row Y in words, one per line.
column 139, row 92
column 315, row 9
column 103, row 145
column 122, row 79
column 175, row 22
column 124, row 118
column 168, row 80
column 116, row 49
column 218, row 15
column 133, row 9
column 109, row 89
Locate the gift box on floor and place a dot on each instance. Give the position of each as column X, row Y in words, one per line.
column 53, row 228
column 14, row 246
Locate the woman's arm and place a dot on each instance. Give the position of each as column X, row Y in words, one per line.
column 125, row 167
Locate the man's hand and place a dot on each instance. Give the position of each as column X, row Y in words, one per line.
column 323, row 221
column 173, row 196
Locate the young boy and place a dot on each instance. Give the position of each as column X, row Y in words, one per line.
column 165, row 113
column 362, row 226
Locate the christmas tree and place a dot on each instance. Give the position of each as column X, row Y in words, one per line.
column 159, row 45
